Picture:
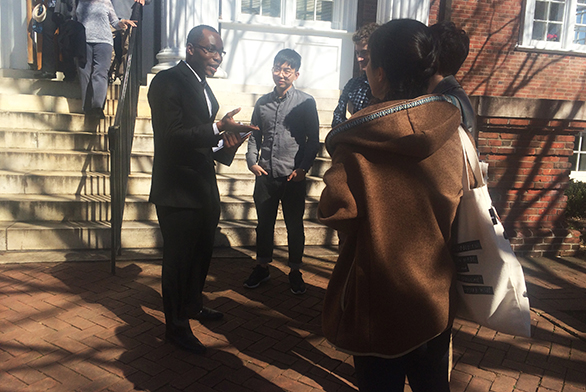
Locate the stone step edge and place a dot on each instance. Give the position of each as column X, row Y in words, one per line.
column 154, row 255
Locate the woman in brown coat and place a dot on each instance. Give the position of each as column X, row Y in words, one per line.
column 393, row 191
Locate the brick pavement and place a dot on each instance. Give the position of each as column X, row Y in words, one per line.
column 75, row 327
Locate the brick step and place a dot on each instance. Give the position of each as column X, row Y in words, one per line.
column 96, row 183
column 74, row 122
column 93, row 208
column 228, row 184
column 143, row 163
column 18, row 236
column 54, row 160
column 39, row 87
column 54, row 182
column 16, row 139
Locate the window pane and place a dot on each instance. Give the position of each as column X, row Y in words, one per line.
column 540, row 10
column 581, row 146
column 539, row 31
column 324, row 10
column 556, row 12
column 554, row 32
column 582, row 162
column 271, row 8
column 305, row 9
column 250, row 7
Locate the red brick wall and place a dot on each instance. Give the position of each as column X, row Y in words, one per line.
column 528, row 172
column 495, row 68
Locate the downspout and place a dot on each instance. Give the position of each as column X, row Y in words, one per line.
column 445, row 11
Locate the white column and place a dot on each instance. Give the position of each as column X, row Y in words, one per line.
column 397, row 9
column 178, row 18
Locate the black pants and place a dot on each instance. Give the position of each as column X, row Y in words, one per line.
column 50, row 53
column 426, row 369
column 268, row 191
column 188, row 241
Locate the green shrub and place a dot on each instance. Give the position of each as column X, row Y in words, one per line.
column 576, row 193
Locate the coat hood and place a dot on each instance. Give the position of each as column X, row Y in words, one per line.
column 416, row 127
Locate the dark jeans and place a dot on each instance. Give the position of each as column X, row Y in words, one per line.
column 426, row 369
column 188, row 241
column 268, row 191
column 93, row 78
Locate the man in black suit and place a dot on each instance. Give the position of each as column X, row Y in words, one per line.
column 184, row 187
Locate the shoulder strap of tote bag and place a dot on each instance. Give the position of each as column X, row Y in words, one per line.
column 471, row 158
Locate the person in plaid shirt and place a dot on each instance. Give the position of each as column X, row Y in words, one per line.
column 356, row 94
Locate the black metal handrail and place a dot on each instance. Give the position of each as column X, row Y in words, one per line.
column 121, row 134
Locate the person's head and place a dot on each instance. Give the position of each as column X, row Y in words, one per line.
column 286, row 69
column 204, row 50
column 453, row 44
column 403, row 57
column 360, row 39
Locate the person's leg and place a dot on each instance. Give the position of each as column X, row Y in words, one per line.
column 179, row 231
column 84, row 77
column 293, row 202
column 375, row 374
column 203, row 248
column 49, row 61
column 99, row 77
column 428, row 366
column 266, row 200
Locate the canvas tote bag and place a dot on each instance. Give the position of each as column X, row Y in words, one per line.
column 490, row 281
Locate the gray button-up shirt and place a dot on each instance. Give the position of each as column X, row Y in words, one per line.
column 288, row 135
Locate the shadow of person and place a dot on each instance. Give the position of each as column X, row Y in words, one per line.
column 127, row 332
column 278, row 331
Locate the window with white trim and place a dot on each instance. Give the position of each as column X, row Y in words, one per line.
column 271, row 8
column 557, row 25
column 317, row 10
column 578, row 160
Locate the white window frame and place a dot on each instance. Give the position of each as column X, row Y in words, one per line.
column 565, row 44
column 342, row 13
column 580, row 154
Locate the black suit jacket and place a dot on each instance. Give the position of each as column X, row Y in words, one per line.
column 183, row 168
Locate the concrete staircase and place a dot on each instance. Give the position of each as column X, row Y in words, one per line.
column 54, row 171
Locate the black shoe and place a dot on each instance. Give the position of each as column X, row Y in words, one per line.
column 69, row 79
column 45, row 75
column 186, row 342
column 259, row 275
column 95, row 113
column 207, row 314
column 296, row 282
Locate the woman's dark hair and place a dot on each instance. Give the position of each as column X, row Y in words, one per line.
column 407, row 53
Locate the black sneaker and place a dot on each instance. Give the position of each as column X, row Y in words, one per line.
column 258, row 276
column 297, row 283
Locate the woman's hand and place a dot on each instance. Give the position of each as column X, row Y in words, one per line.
column 126, row 23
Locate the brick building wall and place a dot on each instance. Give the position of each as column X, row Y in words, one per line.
column 527, row 139
column 527, row 144
column 495, row 67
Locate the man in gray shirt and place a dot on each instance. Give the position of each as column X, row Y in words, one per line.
column 280, row 153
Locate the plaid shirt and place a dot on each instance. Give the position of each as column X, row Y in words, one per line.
column 357, row 92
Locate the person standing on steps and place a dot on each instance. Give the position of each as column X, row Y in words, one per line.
column 97, row 17
column 279, row 154
column 184, row 188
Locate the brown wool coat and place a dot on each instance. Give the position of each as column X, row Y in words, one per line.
column 392, row 191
